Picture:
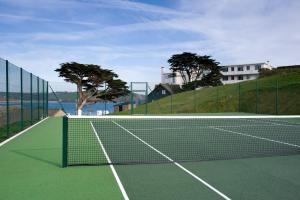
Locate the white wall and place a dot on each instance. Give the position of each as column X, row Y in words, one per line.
column 249, row 73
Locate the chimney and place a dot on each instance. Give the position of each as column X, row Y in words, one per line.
column 162, row 75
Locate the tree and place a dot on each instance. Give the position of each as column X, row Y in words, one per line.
column 89, row 79
column 213, row 78
column 192, row 67
column 185, row 64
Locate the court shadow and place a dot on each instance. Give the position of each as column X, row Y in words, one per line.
column 42, row 155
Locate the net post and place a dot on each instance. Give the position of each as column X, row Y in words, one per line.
column 7, row 99
column 65, row 142
column 22, row 107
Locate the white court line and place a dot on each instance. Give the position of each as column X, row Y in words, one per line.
column 20, row 133
column 185, row 117
column 271, row 122
column 177, row 164
column 111, row 166
column 199, row 127
column 257, row 137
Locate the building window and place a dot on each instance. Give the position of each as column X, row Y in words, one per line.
column 225, row 78
column 232, row 69
column 248, row 77
column 248, row 67
column 225, row 69
column 240, row 69
column 163, row 92
column 241, row 78
column 232, row 77
column 257, row 67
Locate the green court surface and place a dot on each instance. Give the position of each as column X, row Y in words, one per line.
column 30, row 168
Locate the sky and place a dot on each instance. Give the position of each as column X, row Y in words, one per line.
column 135, row 38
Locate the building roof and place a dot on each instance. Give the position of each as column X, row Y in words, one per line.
column 262, row 63
column 121, row 103
column 171, row 88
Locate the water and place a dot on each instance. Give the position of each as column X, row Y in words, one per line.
column 89, row 109
column 70, row 107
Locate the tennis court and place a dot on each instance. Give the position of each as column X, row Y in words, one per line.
column 145, row 157
column 190, row 157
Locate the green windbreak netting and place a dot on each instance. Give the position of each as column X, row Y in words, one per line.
column 23, row 99
column 288, row 96
column 41, row 98
column 45, row 103
column 14, row 95
column 278, row 94
column 26, row 100
column 3, row 111
column 35, row 99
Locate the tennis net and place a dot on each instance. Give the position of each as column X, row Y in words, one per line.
column 162, row 139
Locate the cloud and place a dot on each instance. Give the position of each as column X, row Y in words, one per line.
column 39, row 19
column 138, row 38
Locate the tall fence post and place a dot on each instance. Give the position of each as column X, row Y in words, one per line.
column 38, row 97
column 277, row 98
column 7, row 99
column 239, row 97
column 131, row 99
column 146, row 99
column 105, row 98
column 217, row 100
column 22, row 106
column 256, row 99
column 31, row 103
column 47, row 102
column 171, row 103
column 194, row 98
column 43, row 102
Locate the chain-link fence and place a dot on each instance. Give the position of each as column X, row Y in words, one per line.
column 23, row 99
column 275, row 95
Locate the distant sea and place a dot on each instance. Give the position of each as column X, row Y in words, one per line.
column 89, row 109
column 70, row 107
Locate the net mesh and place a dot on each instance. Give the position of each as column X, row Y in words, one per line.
column 154, row 139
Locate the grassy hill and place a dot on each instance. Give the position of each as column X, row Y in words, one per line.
column 276, row 93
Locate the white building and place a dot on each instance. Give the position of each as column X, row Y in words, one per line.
column 244, row 72
column 170, row 78
column 231, row 73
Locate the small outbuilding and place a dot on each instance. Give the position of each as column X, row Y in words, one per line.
column 163, row 90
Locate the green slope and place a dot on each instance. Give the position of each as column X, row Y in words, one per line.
column 278, row 93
